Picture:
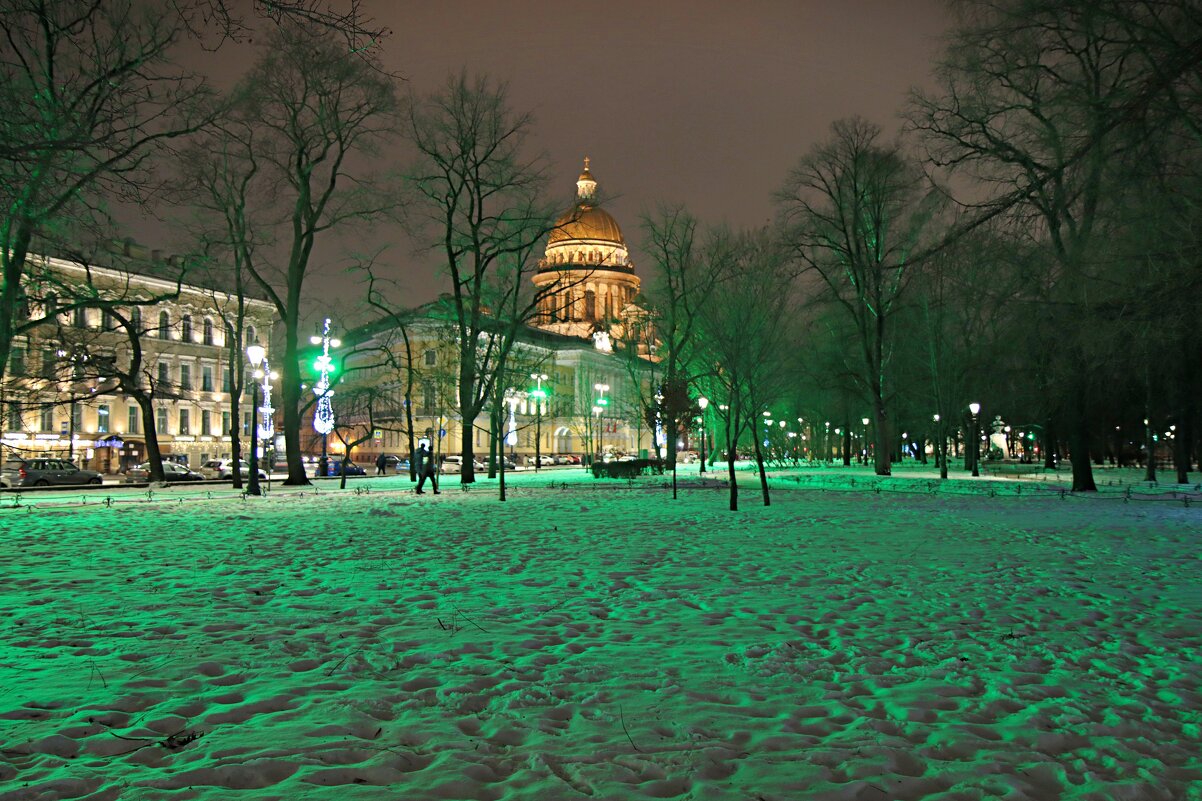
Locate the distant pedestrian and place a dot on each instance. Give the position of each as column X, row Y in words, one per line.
column 426, row 469
column 381, row 465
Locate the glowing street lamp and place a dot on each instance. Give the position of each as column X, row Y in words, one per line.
column 539, row 394
column 864, row 451
column 511, row 439
column 975, row 409
column 702, row 403
column 599, row 409
column 256, row 354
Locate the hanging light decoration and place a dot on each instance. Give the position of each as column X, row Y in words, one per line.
column 323, row 417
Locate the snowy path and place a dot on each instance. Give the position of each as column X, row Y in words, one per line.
column 603, row 644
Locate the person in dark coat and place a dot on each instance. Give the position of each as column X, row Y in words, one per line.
column 425, row 469
column 381, row 465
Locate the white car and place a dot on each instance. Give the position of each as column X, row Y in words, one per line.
column 224, row 469
column 545, row 460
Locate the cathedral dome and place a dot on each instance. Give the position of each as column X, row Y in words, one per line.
column 587, row 222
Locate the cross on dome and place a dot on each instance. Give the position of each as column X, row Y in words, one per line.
column 586, row 187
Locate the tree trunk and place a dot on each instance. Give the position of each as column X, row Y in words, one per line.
column 290, row 396
column 759, row 462
column 1082, row 469
column 1048, row 438
column 153, row 455
column 884, row 445
column 846, row 445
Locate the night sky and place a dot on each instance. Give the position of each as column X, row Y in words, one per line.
column 704, row 102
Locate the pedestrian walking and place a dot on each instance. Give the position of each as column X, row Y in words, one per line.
column 426, row 469
column 381, row 465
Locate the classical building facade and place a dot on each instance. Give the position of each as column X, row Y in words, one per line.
column 61, row 391
column 595, row 395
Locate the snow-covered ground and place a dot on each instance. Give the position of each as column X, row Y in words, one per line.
column 599, row 639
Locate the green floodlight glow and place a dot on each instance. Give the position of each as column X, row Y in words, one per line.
column 538, row 393
column 324, row 364
column 602, row 401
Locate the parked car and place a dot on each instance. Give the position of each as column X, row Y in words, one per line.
column 172, row 472
column 5, row 481
column 352, row 469
column 545, row 461
column 44, row 472
column 224, row 469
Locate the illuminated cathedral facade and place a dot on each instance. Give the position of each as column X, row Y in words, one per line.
column 586, row 276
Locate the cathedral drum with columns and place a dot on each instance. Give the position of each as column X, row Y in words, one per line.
column 586, row 275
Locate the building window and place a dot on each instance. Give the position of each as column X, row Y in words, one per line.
column 164, row 374
column 427, row 395
column 102, row 418
column 185, row 422
column 185, row 376
column 107, row 323
column 135, row 319
column 79, row 318
column 206, row 423
column 208, row 331
column 431, row 358
column 247, row 419
column 206, row 378
column 227, row 381
column 250, row 338
column 133, row 420
column 49, row 364
column 16, row 361
column 225, row 424
column 164, row 325
column 590, row 305
column 15, row 423
column 160, row 420
column 76, row 416
column 51, row 305
column 47, row 421
column 185, row 328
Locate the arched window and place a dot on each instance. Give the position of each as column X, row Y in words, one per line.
column 250, row 337
column 164, row 325
column 208, row 331
column 135, row 319
column 185, row 328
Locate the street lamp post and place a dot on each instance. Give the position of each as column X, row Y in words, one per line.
column 602, row 402
column 975, row 409
column 255, row 354
column 703, row 402
column 538, row 393
column 864, row 450
column 511, row 438
column 267, row 430
column 323, row 416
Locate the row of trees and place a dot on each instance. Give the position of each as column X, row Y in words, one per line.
column 1029, row 244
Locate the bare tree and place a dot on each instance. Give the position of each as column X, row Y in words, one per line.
column 1034, row 104
column 478, row 198
column 685, row 272
column 90, row 96
column 855, row 213
column 313, row 109
column 745, row 338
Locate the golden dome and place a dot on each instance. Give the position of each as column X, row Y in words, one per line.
column 587, row 222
